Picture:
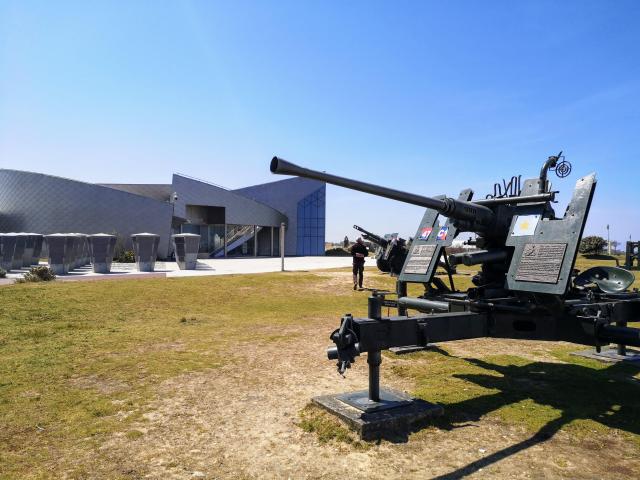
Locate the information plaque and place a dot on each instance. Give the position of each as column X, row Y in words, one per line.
column 541, row 262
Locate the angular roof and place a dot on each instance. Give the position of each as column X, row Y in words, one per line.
column 161, row 192
column 239, row 208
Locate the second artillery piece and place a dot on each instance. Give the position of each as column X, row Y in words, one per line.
column 390, row 254
column 526, row 287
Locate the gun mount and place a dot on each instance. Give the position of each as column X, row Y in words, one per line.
column 526, row 287
column 390, row 253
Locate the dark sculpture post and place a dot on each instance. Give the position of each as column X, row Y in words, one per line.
column 374, row 357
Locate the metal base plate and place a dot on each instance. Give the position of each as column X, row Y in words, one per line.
column 611, row 355
column 360, row 400
column 393, row 423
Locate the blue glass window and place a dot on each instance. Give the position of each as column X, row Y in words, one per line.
column 311, row 223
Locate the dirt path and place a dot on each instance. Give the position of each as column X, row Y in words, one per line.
column 241, row 423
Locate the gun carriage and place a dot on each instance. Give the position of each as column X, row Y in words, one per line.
column 526, row 287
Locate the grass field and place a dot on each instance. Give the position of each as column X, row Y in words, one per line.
column 211, row 376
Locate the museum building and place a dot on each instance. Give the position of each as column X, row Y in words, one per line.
column 231, row 223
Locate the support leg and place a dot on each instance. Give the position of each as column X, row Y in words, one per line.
column 401, row 291
column 374, row 359
column 622, row 349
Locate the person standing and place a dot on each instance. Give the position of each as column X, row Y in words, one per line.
column 359, row 252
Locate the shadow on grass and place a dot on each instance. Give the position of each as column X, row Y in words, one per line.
column 608, row 396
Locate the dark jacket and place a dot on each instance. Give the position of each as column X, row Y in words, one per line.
column 359, row 252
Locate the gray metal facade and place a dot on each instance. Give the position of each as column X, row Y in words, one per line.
column 34, row 202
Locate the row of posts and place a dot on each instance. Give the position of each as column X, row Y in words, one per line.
column 70, row 251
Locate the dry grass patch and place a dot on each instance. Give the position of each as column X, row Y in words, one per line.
column 166, row 377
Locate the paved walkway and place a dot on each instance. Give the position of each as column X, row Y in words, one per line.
column 225, row 266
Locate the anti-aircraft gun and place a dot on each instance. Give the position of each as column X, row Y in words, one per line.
column 390, row 253
column 526, row 288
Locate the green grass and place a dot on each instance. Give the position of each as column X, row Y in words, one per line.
column 81, row 361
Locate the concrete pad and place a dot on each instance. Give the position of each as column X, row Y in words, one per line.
column 392, row 423
column 231, row 266
column 610, row 355
column 206, row 267
column 362, row 402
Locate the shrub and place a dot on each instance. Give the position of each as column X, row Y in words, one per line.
column 125, row 256
column 38, row 274
column 337, row 252
column 592, row 244
column 3, row 273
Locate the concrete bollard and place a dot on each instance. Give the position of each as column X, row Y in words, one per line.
column 18, row 253
column 32, row 249
column 7, row 247
column 82, row 250
column 70, row 252
column 37, row 248
column 87, row 249
column 59, row 248
column 101, row 247
column 145, row 249
column 29, row 243
column 74, row 258
column 186, row 246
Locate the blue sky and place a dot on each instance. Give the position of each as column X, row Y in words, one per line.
column 429, row 97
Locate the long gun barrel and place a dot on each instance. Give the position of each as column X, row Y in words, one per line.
column 450, row 207
column 372, row 237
